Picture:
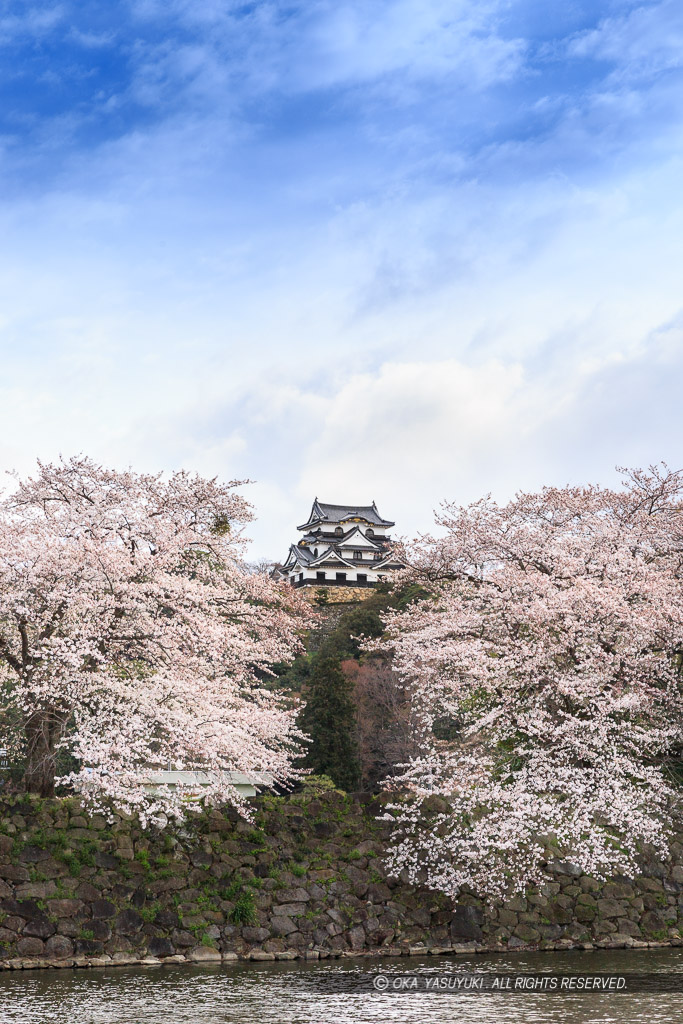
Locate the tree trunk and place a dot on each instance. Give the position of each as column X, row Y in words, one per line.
column 42, row 732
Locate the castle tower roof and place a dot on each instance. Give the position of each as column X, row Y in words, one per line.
column 325, row 512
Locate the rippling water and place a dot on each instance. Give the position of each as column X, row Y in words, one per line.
column 277, row 993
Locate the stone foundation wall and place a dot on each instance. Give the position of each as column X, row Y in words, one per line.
column 305, row 879
column 337, row 595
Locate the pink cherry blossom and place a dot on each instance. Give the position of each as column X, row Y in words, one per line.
column 133, row 637
column 552, row 641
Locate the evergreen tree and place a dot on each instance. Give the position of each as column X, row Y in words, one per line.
column 329, row 719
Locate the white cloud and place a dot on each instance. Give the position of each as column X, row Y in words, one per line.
column 294, row 48
column 274, row 274
column 642, row 43
column 33, row 21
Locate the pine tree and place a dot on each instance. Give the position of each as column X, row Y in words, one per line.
column 329, row 719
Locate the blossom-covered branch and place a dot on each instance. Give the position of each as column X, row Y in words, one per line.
column 133, row 636
column 551, row 643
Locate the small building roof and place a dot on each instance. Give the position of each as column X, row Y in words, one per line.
column 323, row 511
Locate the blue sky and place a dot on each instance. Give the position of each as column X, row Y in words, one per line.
column 408, row 250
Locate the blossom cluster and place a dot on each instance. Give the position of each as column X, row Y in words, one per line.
column 133, row 638
column 550, row 645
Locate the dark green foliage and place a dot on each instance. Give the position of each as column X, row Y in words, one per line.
column 330, row 714
column 244, row 911
column 329, row 719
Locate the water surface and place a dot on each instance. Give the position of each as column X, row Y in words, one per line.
column 278, row 993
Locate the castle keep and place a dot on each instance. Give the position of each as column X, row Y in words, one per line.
column 341, row 546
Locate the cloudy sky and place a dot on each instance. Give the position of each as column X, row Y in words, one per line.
column 406, row 250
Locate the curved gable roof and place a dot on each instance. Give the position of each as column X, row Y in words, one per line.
column 323, row 511
column 348, row 540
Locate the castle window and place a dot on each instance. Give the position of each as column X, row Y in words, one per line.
column 362, row 578
column 338, row 531
column 378, row 556
column 320, row 576
column 369, row 532
column 315, row 552
column 301, row 576
column 341, row 575
column 357, row 555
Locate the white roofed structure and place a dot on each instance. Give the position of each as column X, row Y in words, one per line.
column 341, row 546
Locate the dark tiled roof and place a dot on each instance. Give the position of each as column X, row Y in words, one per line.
column 323, row 510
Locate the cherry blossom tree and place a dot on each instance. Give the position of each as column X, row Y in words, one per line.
column 133, row 637
column 552, row 643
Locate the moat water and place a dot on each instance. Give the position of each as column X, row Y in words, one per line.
column 297, row 993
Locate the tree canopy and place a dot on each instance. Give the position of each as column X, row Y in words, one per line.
column 132, row 635
column 552, row 641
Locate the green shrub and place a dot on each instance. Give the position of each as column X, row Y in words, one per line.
column 244, row 911
column 233, row 890
column 149, row 913
column 317, row 784
column 142, row 856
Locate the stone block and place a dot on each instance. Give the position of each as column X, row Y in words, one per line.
column 628, row 927
column 36, row 890
column 618, row 891
column 610, row 908
column 32, row 855
column 282, row 926
column 203, row 954
column 87, row 892
column 88, row 947
column 14, row 873
column 107, row 861
column 128, row 922
column 30, row 947
column 466, row 923
column 565, row 867
column 103, row 909
column 101, row 930
column 69, row 926
column 64, row 907
column 289, row 909
column 254, row 935
column 421, row 916
column 295, row 895
column 59, row 946
column 23, row 907
column 201, row 859
column 160, row 946
column 40, row 927
column 651, row 921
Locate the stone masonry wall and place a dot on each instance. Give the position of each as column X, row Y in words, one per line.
column 337, row 595
column 304, row 879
